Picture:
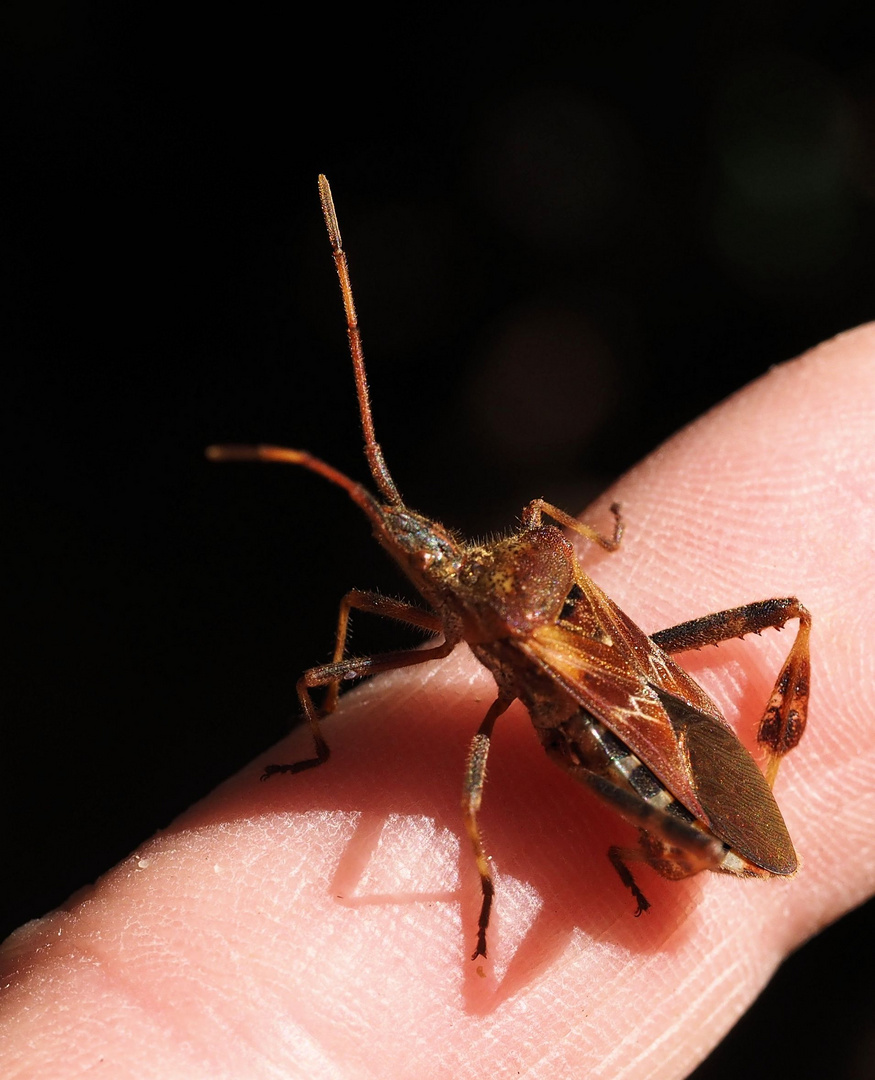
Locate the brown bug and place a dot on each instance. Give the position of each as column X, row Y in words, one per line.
column 609, row 704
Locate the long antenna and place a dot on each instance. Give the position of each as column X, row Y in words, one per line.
column 374, row 454
column 359, row 495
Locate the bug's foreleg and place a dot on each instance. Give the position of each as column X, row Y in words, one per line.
column 783, row 722
column 472, row 796
column 333, row 674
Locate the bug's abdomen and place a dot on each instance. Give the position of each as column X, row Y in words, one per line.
column 584, row 742
column 672, row 840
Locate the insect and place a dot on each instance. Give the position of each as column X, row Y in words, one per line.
column 608, row 702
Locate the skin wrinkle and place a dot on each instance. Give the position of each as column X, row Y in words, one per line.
column 165, row 1023
column 129, row 987
column 668, row 1033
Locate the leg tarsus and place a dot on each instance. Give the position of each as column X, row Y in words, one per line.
column 488, row 887
column 294, row 767
column 617, row 856
column 323, row 752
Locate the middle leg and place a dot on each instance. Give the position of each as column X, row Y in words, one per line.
column 472, row 797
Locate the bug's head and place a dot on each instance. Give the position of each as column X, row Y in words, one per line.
column 426, row 551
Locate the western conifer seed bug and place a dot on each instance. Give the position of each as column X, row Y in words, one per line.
column 608, row 702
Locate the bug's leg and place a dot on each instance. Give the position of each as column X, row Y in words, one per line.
column 359, row 600
column 375, row 604
column 332, row 674
column 619, row 856
column 669, row 843
column 531, row 518
column 783, row 722
column 472, row 796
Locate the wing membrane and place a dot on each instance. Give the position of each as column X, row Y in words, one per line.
column 608, row 665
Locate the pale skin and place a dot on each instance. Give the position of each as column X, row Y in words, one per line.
column 321, row 924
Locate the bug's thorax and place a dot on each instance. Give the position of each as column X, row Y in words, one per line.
column 491, row 591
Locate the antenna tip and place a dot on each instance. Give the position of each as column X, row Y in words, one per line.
column 329, row 213
column 233, row 452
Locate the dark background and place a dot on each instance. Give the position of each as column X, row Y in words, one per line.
column 570, row 232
